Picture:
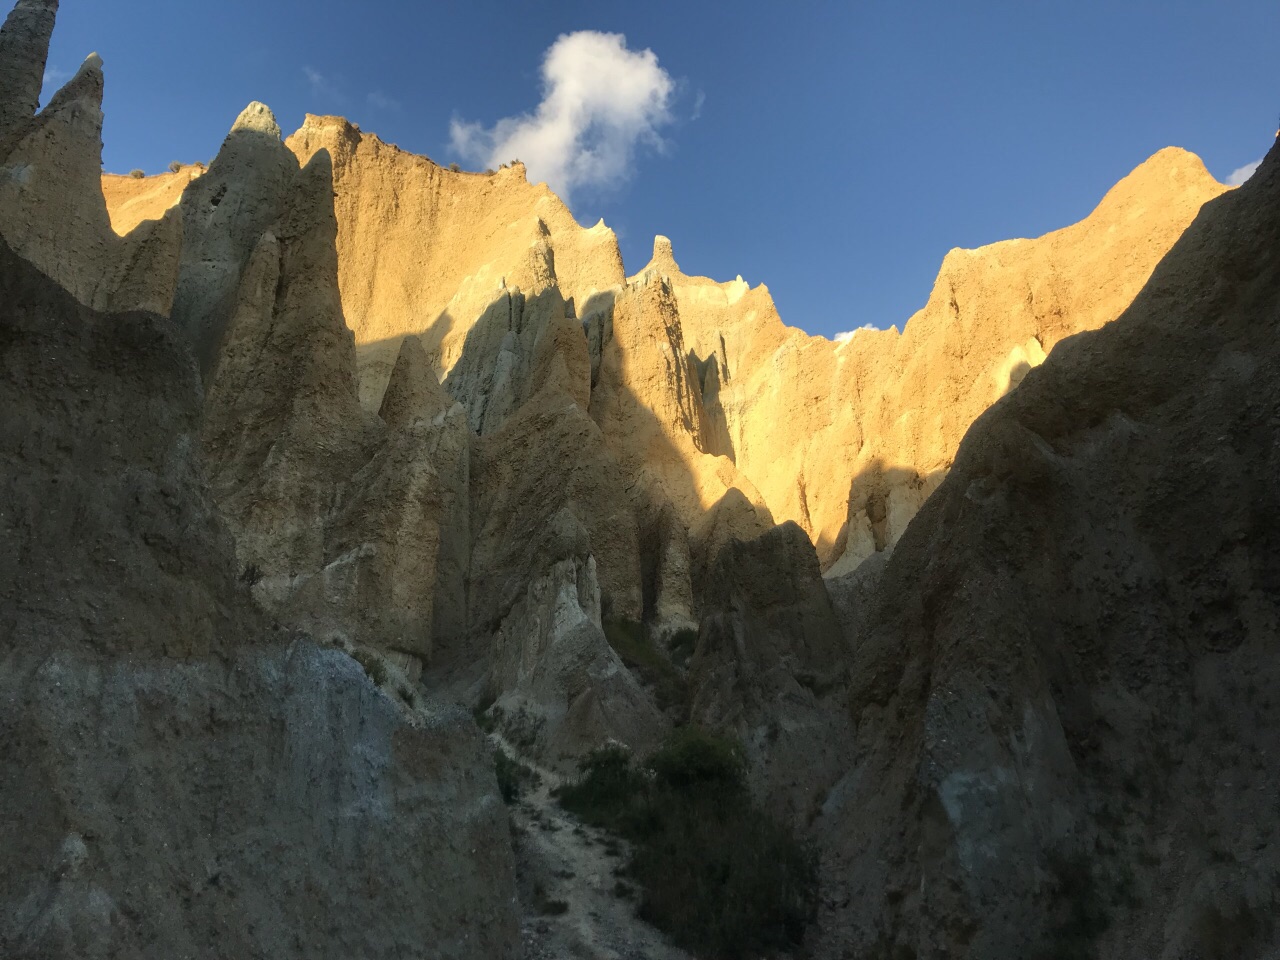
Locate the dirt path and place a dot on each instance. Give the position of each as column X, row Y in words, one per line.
column 574, row 903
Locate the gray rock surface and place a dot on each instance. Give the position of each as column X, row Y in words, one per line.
column 770, row 667
column 1064, row 695
column 53, row 213
column 24, row 51
column 563, row 691
column 178, row 779
column 273, row 803
column 224, row 214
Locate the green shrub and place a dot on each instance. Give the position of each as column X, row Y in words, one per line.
column 627, row 637
column 608, row 791
column 682, row 644
column 718, row 875
column 694, row 761
column 137, row 174
column 455, row 168
column 512, row 776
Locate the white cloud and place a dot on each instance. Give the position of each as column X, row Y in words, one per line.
column 600, row 101
column 380, row 101
column 698, row 103
column 1241, row 174
column 322, row 86
column 53, row 79
column 849, row 334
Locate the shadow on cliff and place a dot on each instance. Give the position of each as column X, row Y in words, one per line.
column 726, row 621
column 1069, row 656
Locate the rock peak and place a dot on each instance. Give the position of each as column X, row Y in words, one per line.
column 258, row 118
column 85, row 87
column 24, row 51
column 663, row 256
column 325, row 121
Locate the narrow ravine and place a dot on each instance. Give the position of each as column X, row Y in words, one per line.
column 574, row 899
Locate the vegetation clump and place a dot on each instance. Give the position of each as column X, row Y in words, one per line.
column 638, row 654
column 512, row 776
column 717, row 874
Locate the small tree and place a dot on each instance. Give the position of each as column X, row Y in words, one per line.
column 175, row 167
column 455, row 168
column 137, row 174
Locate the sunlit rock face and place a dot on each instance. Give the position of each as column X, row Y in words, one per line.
column 304, row 442
column 845, row 439
column 1061, row 677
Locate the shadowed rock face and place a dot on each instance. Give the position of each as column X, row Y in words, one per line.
column 1064, row 691
column 1014, row 727
column 24, row 50
column 348, row 529
column 179, row 776
column 771, row 664
column 177, row 779
column 109, row 538
column 52, row 210
column 224, row 214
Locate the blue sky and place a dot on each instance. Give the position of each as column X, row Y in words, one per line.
column 834, row 151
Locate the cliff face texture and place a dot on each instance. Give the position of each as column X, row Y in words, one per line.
column 179, row 776
column 1064, row 691
column 131, row 200
column 848, row 439
column 426, row 251
column 52, row 209
column 303, row 446
column 845, row 439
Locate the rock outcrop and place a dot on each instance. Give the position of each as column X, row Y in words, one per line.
column 225, row 214
column 24, row 51
column 52, row 209
column 132, row 200
column 562, row 690
column 1064, row 690
column 771, row 665
column 848, row 439
column 108, row 537
column 351, row 527
column 178, row 779
column 646, row 400
column 427, row 251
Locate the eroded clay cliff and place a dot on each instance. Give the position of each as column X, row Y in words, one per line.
column 180, row 775
column 1063, row 688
